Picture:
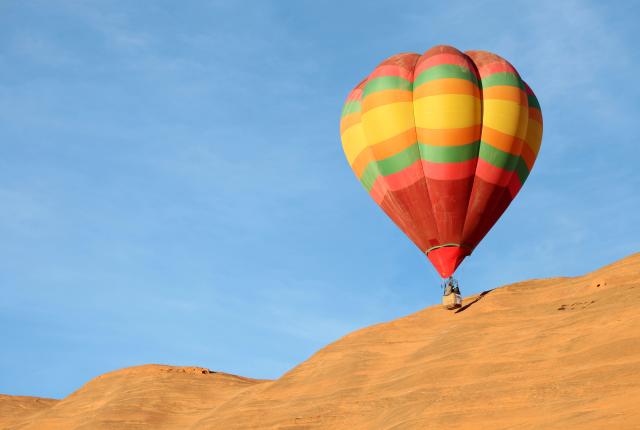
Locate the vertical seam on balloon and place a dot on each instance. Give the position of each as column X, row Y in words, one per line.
column 529, row 93
column 424, row 176
column 391, row 196
column 481, row 92
column 423, row 179
column 387, row 194
column 493, row 205
column 474, row 70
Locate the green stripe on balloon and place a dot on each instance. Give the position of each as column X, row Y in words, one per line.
column 502, row 78
column 522, row 170
column 445, row 71
column 388, row 166
column 449, row 154
column 533, row 102
column 403, row 159
column 386, row 83
column 399, row 161
column 351, row 107
column 497, row 157
column 369, row 176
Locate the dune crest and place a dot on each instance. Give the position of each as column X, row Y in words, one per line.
column 542, row 354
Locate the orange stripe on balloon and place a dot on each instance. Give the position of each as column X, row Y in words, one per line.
column 505, row 92
column 380, row 98
column 361, row 162
column 384, row 149
column 535, row 114
column 449, row 136
column 349, row 120
column 394, row 145
column 502, row 141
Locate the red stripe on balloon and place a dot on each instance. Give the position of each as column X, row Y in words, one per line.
column 421, row 169
column 492, row 174
column 378, row 190
column 497, row 67
column 396, row 181
column 405, row 177
column 356, row 93
column 449, row 171
column 514, row 186
column 438, row 59
column 392, row 70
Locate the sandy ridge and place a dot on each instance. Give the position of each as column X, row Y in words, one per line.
column 542, row 354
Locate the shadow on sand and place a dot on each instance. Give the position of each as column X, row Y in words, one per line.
column 468, row 305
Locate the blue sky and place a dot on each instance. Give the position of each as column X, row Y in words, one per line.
column 173, row 189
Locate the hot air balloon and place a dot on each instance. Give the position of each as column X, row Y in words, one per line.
column 442, row 142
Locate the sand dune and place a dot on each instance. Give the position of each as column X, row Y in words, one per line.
column 143, row 397
column 560, row 353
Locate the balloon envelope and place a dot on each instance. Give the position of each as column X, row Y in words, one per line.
column 442, row 142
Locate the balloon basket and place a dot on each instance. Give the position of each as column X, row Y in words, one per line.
column 452, row 301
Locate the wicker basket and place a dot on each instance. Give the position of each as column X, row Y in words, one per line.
column 452, row 301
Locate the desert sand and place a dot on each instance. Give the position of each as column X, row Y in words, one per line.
column 561, row 353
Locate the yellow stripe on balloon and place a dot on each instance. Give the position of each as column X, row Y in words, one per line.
column 353, row 141
column 384, row 122
column 506, row 116
column 447, row 111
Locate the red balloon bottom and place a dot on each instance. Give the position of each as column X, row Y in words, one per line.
column 447, row 259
